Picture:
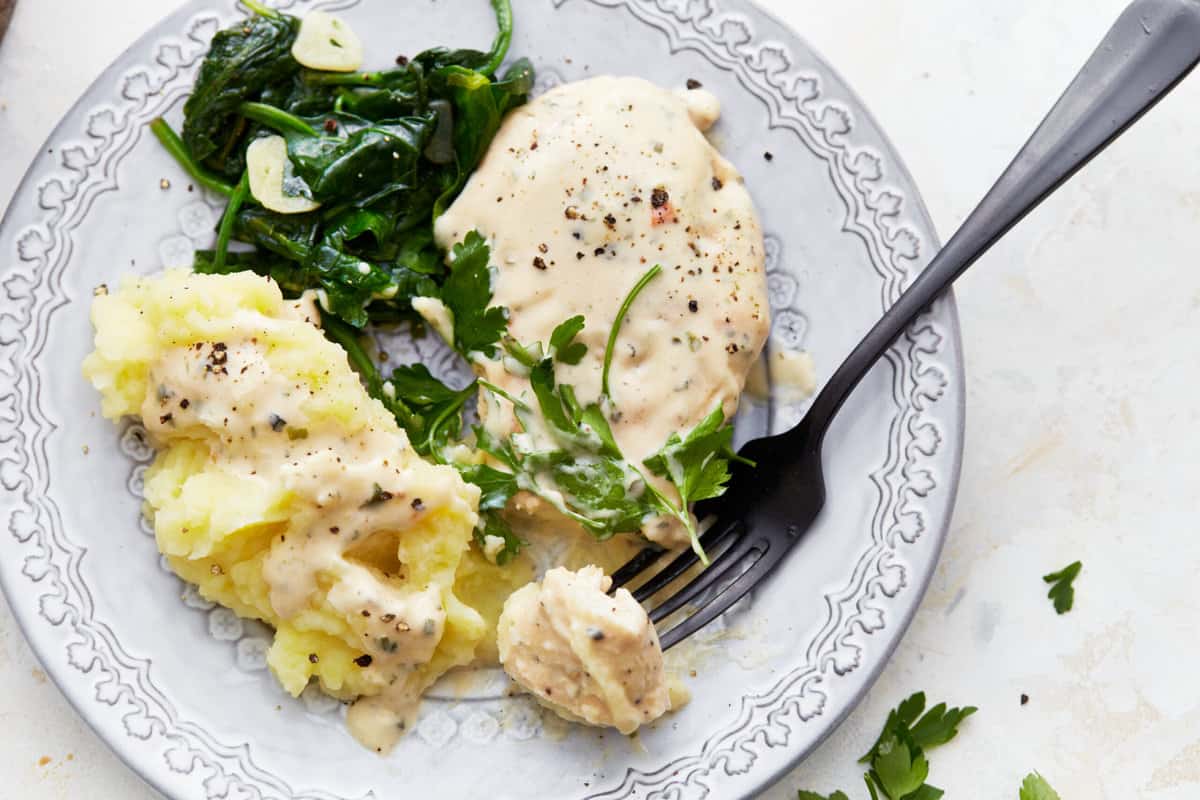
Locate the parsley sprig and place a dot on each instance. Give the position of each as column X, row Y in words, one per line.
column 586, row 476
column 898, row 768
column 897, row 765
column 467, row 295
column 697, row 464
column 566, row 452
column 626, row 304
column 580, row 469
column 1062, row 592
column 1035, row 787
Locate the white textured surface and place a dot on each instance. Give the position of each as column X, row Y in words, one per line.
column 1080, row 334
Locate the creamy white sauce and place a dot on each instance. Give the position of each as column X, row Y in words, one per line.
column 790, row 373
column 585, row 655
column 704, row 109
column 583, row 190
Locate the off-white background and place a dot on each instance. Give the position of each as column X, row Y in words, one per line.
column 1081, row 333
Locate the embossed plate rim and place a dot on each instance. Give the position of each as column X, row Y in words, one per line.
column 918, row 209
column 914, row 213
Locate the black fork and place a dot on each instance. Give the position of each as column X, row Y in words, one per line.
column 1151, row 47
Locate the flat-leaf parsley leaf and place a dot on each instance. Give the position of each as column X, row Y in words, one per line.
column 1035, row 787
column 897, row 763
column 467, row 293
column 1062, row 592
column 698, row 465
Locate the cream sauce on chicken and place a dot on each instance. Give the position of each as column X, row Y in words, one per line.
column 582, row 191
column 585, row 655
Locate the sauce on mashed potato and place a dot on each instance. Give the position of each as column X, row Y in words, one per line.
column 288, row 494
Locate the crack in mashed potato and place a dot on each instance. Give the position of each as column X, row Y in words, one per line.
column 284, row 492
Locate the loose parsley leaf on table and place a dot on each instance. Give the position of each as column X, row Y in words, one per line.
column 1035, row 787
column 1062, row 592
column 899, row 768
column 937, row 727
column 897, row 764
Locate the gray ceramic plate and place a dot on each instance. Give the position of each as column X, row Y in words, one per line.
column 178, row 688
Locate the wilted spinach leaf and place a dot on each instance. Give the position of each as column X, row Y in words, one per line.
column 347, row 283
column 242, row 61
column 343, row 159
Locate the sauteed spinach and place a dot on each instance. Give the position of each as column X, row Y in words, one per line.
column 383, row 154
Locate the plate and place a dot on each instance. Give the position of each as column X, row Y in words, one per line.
column 179, row 688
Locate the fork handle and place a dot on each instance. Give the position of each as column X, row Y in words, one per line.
column 1152, row 46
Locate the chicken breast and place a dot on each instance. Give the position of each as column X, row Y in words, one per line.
column 585, row 655
column 582, row 192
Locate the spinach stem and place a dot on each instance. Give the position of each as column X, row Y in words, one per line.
column 504, row 27
column 616, row 328
column 178, row 150
column 316, row 78
column 275, row 118
column 225, row 231
column 261, row 9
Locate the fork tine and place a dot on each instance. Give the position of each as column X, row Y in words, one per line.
column 684, row 561
column 728, row 596
column 634, row 566
column 719, row 567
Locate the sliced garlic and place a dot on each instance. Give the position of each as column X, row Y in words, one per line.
column 326, row 42
column 267, row 163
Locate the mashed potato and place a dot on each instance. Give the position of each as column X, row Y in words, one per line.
column 286, row 493
column 585, row 655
